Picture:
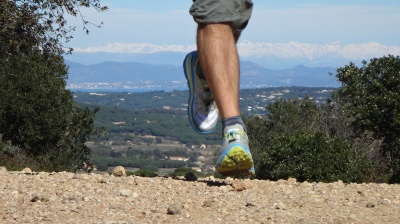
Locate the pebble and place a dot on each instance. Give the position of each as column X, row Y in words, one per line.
column 124, row 193
column 173, row 209
column 207, row 203
column 119, row 171
column 26, row 170
column 241, row 185
column 280, row 205
column 370, row 205
column 190, row 177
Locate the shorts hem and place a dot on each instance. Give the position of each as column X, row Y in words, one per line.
column 216, row 20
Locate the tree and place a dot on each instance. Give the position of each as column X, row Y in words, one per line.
column 297, row 138
column 370, row 93
column 311, row 157
column 40, row 24
column 37, row 113
column 288, row 116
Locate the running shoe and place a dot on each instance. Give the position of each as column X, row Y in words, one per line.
column 235, row 158
column 202, row 110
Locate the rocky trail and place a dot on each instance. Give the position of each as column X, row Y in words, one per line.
column 31, row 197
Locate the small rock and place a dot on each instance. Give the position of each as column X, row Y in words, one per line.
column 173, row 210
column 250, row 200
column 3, row 169
column 106, row 175
column 124, row 193
column 101, row 181
column 211, row 178
column 207, row 203
column 190, row 177
column 228, row 180
column 242, row 185
column 280, row 205
column 305, row 184
column 35, row 198
column 385, row 201
column 361, row 193
column 292, row 180
column 119, row 171
column 26, row 170
column 370, row 205
column 340, row 183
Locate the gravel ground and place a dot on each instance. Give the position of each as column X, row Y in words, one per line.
column 29, row 197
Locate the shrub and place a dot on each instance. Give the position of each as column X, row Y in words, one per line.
column 311, row 157
column 142, row 173
column 183, row 171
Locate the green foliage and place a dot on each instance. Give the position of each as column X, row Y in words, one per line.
column 311, row 157
column 150, row 122
column 142, row 173
column 104, row 157
column 13, row 157
column 38, row 114
column 288, row 116
column 26, row 25
column 154, row 101
column 296, row 129
column 371, row 95
column 183, row 171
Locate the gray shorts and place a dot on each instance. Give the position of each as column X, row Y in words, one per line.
column 237, row 12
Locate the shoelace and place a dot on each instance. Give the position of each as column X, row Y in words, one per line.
column 235, row 135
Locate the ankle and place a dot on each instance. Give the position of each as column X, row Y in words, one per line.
column 233, row 124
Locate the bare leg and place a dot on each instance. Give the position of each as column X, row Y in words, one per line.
column 216, row 45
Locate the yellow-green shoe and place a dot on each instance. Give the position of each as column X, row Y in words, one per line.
column 235, row 158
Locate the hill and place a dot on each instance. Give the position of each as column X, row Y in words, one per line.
column 137, row 75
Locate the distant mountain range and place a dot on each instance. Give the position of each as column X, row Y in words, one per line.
column 262, row 64
column 252, row 74
column 268, row 55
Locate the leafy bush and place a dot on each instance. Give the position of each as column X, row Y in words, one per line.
column 183, row 171
column 298, row 138
column 38, row 115
column 371, row 94
column 142, row 173
column 311, row 157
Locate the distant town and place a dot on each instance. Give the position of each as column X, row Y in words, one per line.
column 145, row 85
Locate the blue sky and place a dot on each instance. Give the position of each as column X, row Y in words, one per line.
column 167, row 22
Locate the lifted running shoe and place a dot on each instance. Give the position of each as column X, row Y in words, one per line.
column 202, row 110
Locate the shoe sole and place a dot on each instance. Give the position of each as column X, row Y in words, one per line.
column 236, row 161
column 189, row 74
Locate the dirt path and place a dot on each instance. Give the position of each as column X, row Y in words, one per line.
column 94, row 198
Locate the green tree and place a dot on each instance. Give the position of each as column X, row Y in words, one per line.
column 311, row 157
column 370, row 93
column 40, row 24
column 294, row 130
column 37, row 113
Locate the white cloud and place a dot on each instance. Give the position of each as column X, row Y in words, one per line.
column 136, row 48
column 314, row 51
column 260, row 49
